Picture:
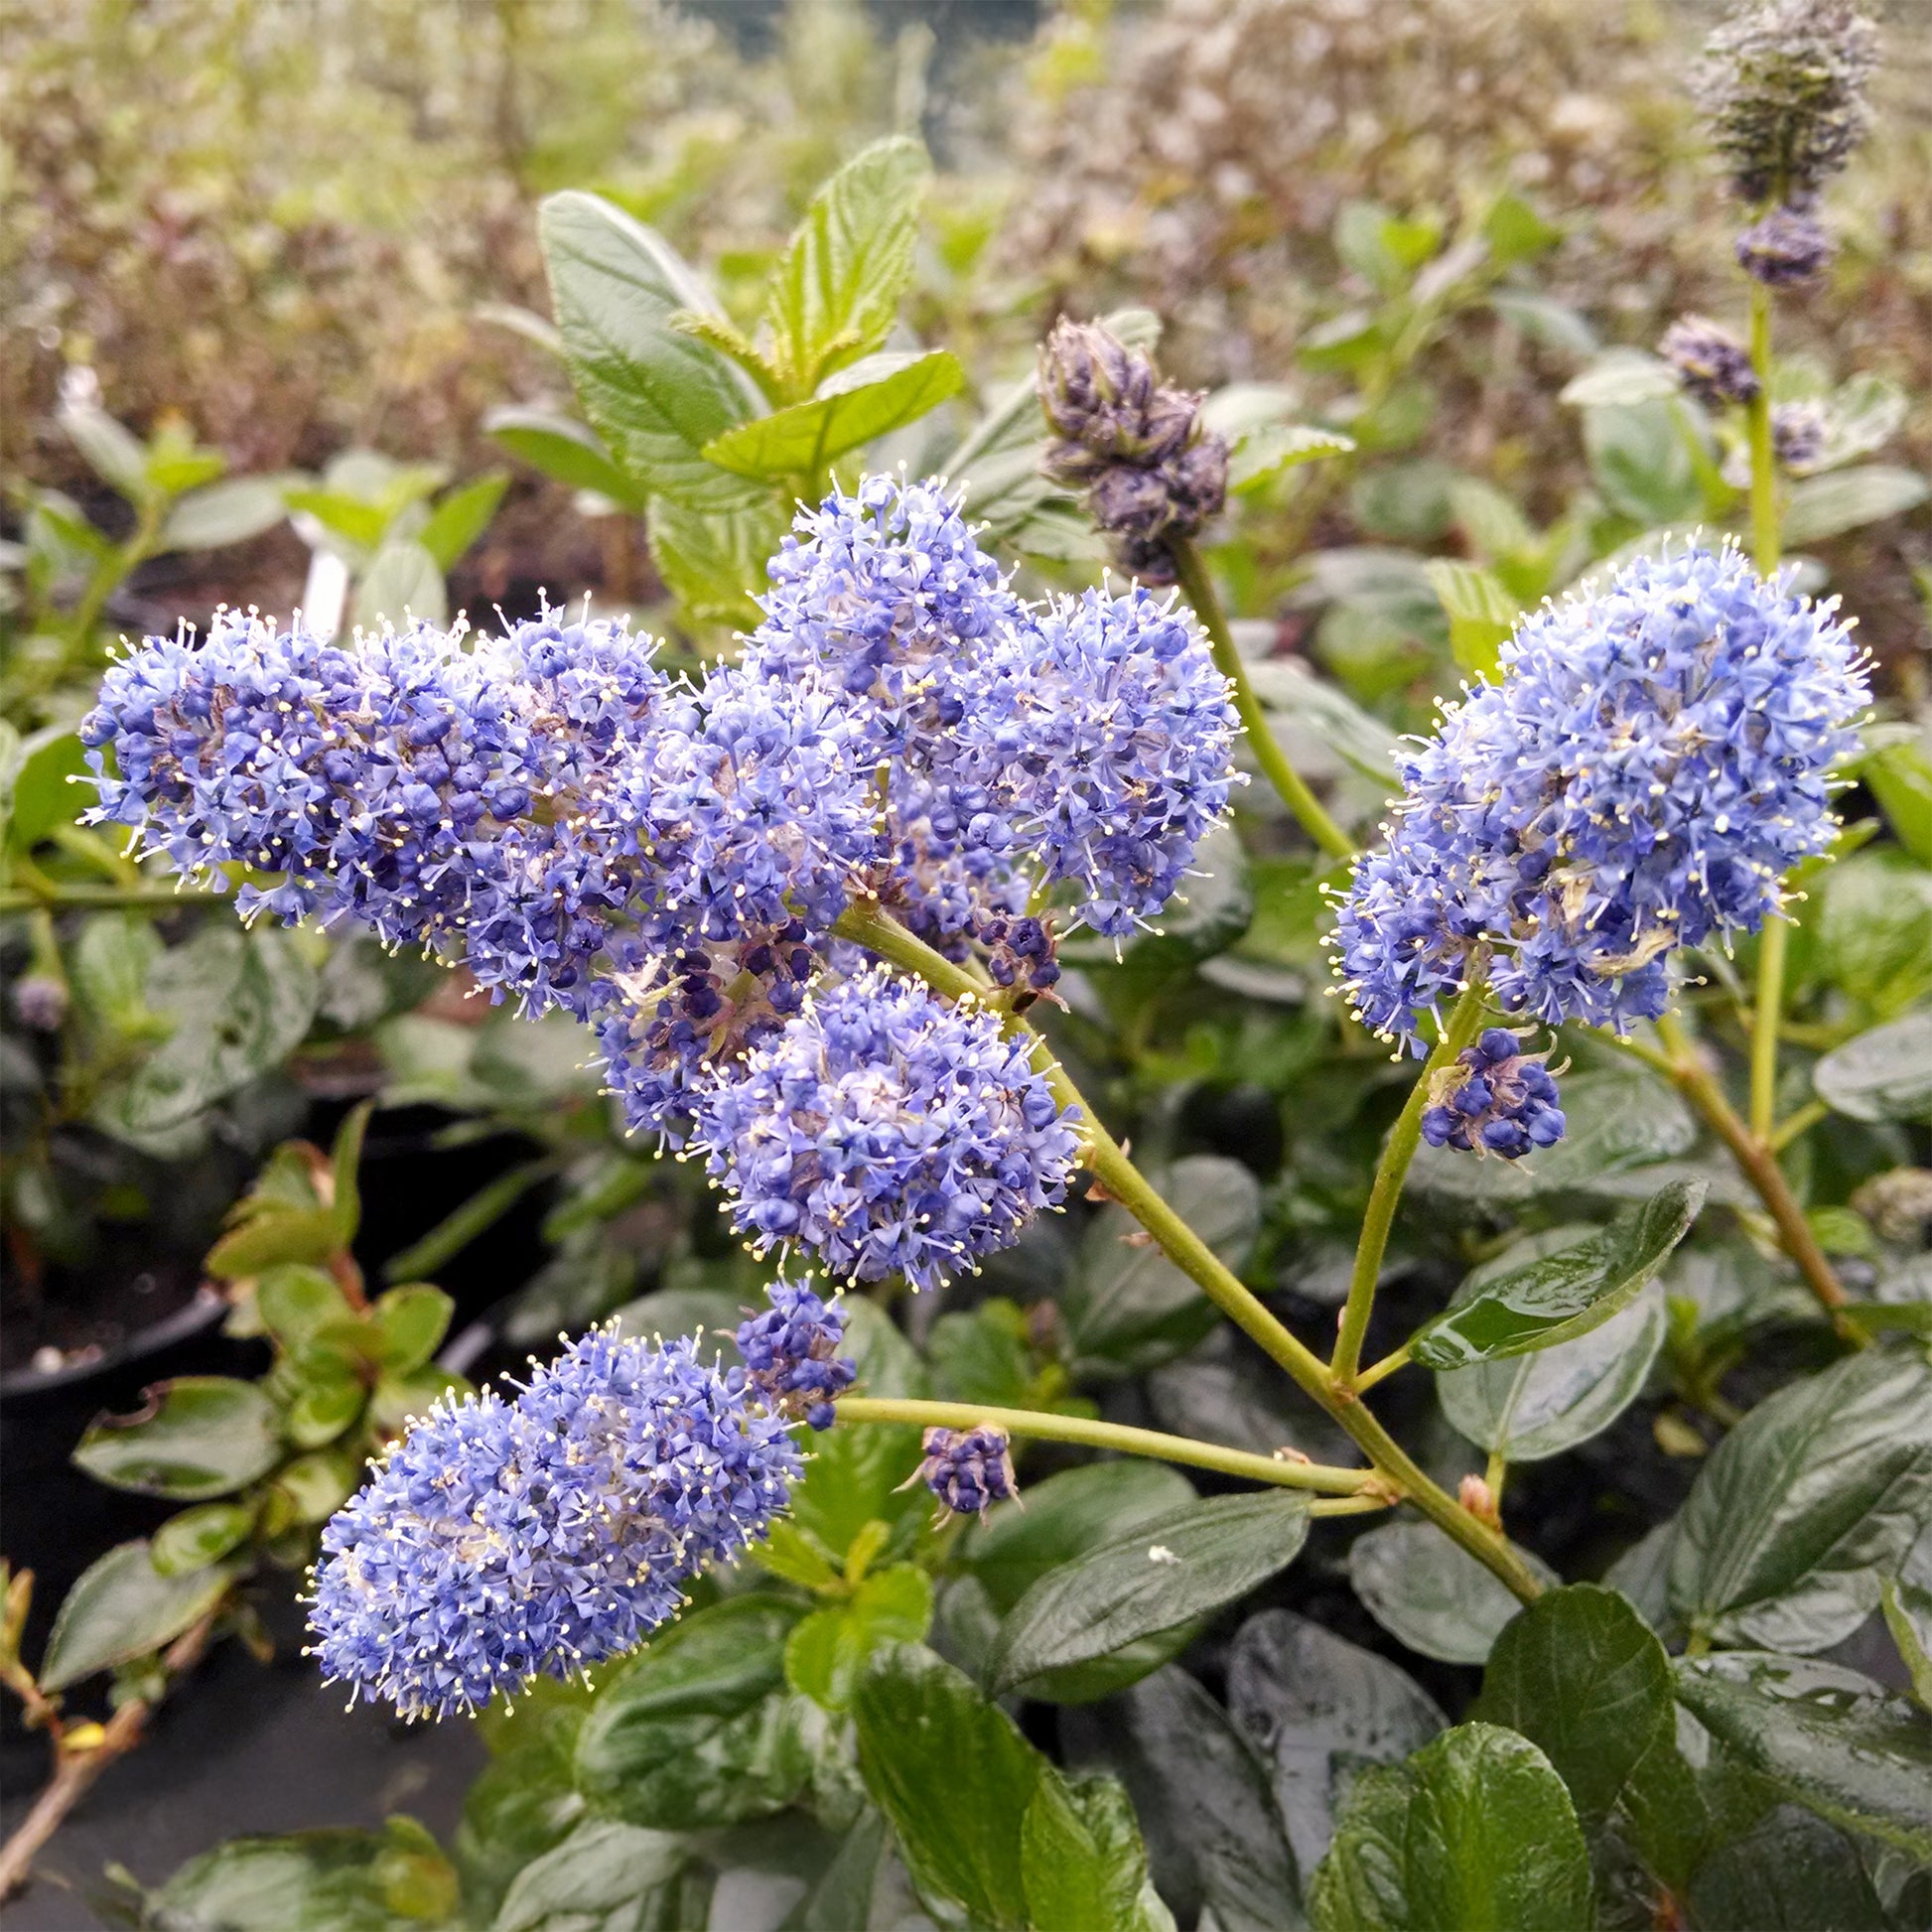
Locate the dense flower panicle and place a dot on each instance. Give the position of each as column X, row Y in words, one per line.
column 1493, row 1098
column 1784, row 86
column 1711, row 362
column 1652, row 762
column 1799, row 434
column 466, row 799
column 504, row 1540
column 968, row 1470
column 791, row 1352
column 888, row 1133
column 1101, row 747
column 1785, row 250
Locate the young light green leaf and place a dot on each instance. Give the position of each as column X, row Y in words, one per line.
column 825, row 1654
column 1909, row 1616
column 1620, row 378
column 1165, row 1574
column 1318, row 1709
column 223, row 513
column 199, row 1536
column 49, row 786
column 563, row 448
column 202, row 1435
column 1847, row 499
column 1268, row 450
column 1883, row 1074
column 121, row 1608
column 852, row 408
column 403, row 580
column 461, row 518
column 955, row 1777
column 1431, row 1593
column 656, row 394
column 411, row 1321
column 1826, row 1737
column 1475, row 1829
column 1801, row 1507
column 1562, row 1294
column 713, row 560
column 836, row 291
column 1482, row 612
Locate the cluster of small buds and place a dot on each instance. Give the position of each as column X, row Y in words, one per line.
column 1494, row 1099
column 1799, row 433
column 1711, row 362
column 1785, row 249
column 1150, row 467
column 1651, row 763
column 791, row 1352
column 41, row 1002
column 1784, row 88
column 1020, row 956
column 968, row 1470
column 499, row 1542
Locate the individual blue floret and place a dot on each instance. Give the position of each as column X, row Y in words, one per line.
column 1494, row 1099
column 791, row 1352
column 887, row 1131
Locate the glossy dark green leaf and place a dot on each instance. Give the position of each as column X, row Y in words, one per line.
column 122, row 1607
column 202, row 1435
column 411, row 1321
column 1475, row 1829
column 108, row 969
column 563, row 448
column 826, row 1652
column 198, row 1537
column 654, row 394
column 1800, row 1508
column 696, row 1730
column 1319, row 1710
column 955, row 1777
column 1562, row 1294
column 392, row 1880
column 1081, row 1858
column 1790, row 1872
column 852, row 408
column 1431, row 1593
column 1883, row 1074
column 1826, row 1737
column 835, row 292
column 1164, row 1574
column 1215, row 1837
column 603, row 1877
column 330, row 1397
column 461, row 518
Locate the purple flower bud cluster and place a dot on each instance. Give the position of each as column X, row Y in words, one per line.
column 1137, row 447
column 791, row 1352
column 888, row 1133
column 499, row 1542
column 1493, row 1098
column 1711, row 362
column 1022, row 957
column 1652, row 760
column 1784, row 250
column 1799, row 433
column 968, row 1470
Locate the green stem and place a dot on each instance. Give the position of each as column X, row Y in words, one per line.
column 869, row 926
column 1283, row 1472
column 1395, row 1359
column 1765, row 546
column 1389, row 1173
column 1766, row 1016
column 1288, row 782
column 1802, row 1121
column 104, row 897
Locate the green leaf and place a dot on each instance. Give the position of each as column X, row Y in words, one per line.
column 1355, row 735
column 198, row 1537
column 1875, row 932
column 1620, row 378
column 1525, row 1408
column 1475, row 1829
column 1080, row 1856
column 836, row 289
column 656, row 394
column 1640, row 458
column 43, row 794
column 603, row 1877
column 331, row 1396
column 1482, row 612
column 825, row 1654
column 689, row 1735
column 1800, row 1507
column 713, row 560
column 109, row 967
column 461, row 518
column 319, row 1484
column 1883, row 1074
column 1269, row 449
column 1431, row 1593
column 393, row 1880
column 1561, row 1295
column 359, row 523
column 1214, row 1833
column 1319, row 1710
column 1900, row 776
column 1826, row 1737
column 297, row 1303
column 1909, row 1616
column 411, row 1321
column 1846, row 499
column 1790, row 1872
column 955, row 1777
column 1172, row 1571
column 563, row 448
column 223, row 513
column 882, row 392
column 112, row 449
column 202, row 1435
column 403, row 580
column 121, row 1608
column 1130, row 1306
column 398, row 1400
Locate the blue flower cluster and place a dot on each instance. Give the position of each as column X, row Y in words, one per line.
column 504, row 1540
column 791, row 1352
column 1651, row 763
column 968, row 1470
column 1494, row 1098
column 888, row 1133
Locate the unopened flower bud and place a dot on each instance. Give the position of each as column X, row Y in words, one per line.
column 1711, row 362
column 1494, row 1099
column 41, row 1000
column 1798, row 433
column 1784, row 250
column 968, row 1470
